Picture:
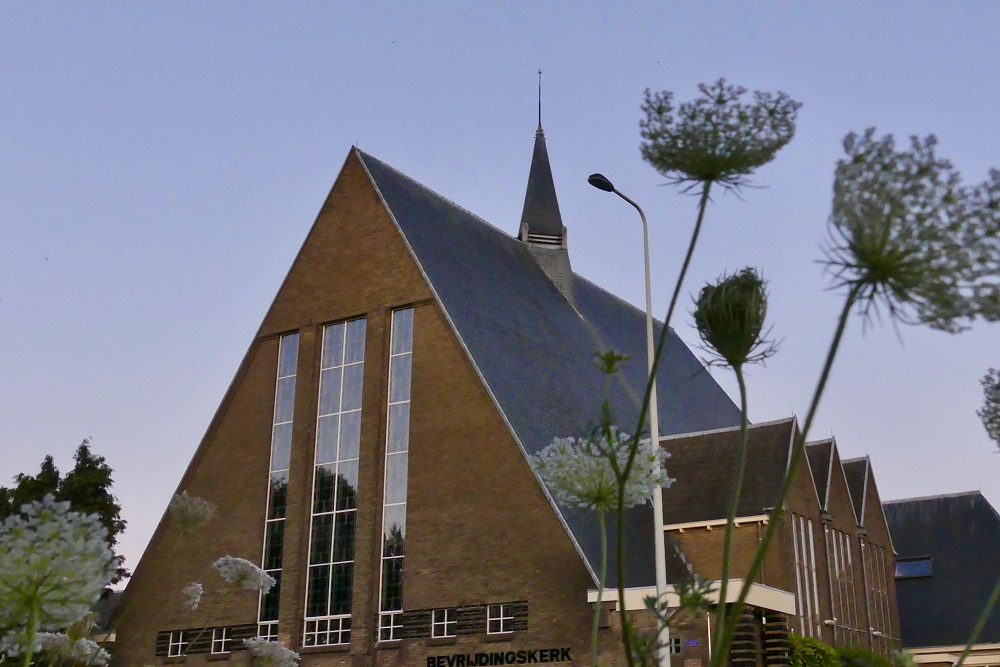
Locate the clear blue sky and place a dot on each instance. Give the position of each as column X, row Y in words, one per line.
column 160, row 163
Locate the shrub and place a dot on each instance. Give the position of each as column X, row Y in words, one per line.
column 810, row 652
column 856, row 656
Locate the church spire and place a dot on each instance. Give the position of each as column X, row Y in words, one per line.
column 540, row 218
column 542, row 228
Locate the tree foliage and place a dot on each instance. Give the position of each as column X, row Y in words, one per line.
column 87, row 488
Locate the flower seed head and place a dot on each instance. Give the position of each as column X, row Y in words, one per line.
column 729, row 316
column 907, row 237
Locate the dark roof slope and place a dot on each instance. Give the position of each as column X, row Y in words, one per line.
column 820, row 455
column 703, row 465
column 535, row 350
column 856, row 472
column 961, row 534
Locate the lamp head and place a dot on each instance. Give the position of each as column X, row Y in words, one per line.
column 601, row 182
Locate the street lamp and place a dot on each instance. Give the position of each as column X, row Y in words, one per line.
column 601, row 182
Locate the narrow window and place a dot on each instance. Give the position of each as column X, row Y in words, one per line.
column 222, row 640
column 177, row 645
column 397, row 449
column 798, row 576
column 815, row 586
column 443, row 623
column 277, row 488
column 499, row 619
column 675, row 644
column 806, row 588
column 335, row 486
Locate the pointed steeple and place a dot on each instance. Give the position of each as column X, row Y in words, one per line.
column 540, row 218
column 542, row 228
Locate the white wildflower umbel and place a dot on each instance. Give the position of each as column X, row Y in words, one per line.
column 242, row 574
column 578, row 471
column 190, row 512
column 588, row 473
column 192, row 594
column 271, row 654
column 54, row 564
column 717, row 138
column 56, row 647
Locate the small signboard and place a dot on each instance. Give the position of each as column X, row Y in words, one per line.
column 690, row 642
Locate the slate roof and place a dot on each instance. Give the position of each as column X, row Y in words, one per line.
column 961, row 534
column 820, row 455
column 856, row 472
column 703, row 466
column 534, row 349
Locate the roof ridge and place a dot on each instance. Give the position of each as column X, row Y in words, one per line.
column 940, row 496
column 816, row 443
column 853, row 460
column 436, row 194
column 772, row 422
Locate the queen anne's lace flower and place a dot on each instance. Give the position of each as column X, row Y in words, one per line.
column 578, row 471
column 52, row 560
column 241, row 573
column 272, row 654
column 906, row 236
column 58, row 648
column 192, row 594
column 717, row 138
column 190, row 512
column 730, row 315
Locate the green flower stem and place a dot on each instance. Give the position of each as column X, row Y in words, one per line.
column 798, row 448
column 643, row 411
column 980, row 623
column 31, row 631
column 734, row 500
column 600, row 587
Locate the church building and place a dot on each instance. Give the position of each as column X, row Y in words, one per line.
column 371, row 454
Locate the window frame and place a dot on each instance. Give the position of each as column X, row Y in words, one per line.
column 503, row 615
column 223, row 638
column 444, row 623
column 177, row 644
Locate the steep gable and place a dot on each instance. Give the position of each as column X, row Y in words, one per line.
column 856, row 473
column 533, row 348
column 820, row 455
column 703, row 465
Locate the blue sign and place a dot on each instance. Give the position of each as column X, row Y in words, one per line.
column 690, row 642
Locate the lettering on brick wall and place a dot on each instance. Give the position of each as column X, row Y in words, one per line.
column 523, row 657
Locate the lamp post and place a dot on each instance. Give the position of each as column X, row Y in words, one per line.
column 600, row 182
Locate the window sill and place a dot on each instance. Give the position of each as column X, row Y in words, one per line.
column 333, row 648
column 389, row 644
column 217, row 657
column 441, row 641
column 499, row 637
column 174, row 660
